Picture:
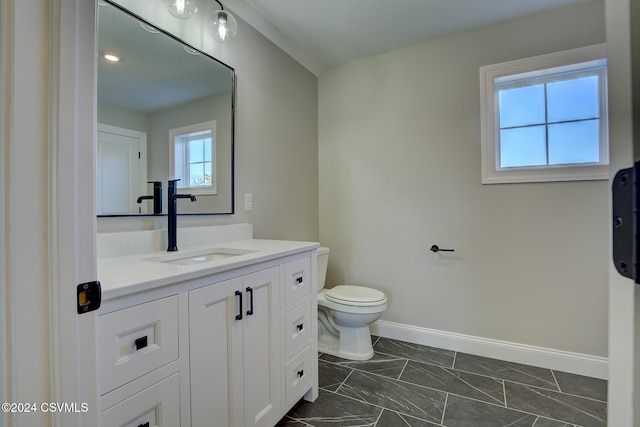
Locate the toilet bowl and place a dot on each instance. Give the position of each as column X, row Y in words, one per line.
column 344, row 315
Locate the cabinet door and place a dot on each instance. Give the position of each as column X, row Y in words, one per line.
column 215, row 337
column 262, row 376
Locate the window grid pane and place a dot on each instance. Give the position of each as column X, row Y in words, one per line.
column 523, row 146
column 575, row 99
column 522, row 106
column 572, row 136
column 199, row 163
column 574, row 142
column 196, row 150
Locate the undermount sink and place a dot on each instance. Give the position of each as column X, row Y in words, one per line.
column 198, row 257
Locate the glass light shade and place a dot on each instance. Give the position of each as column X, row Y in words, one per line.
column 183, row 9
column 223, row 26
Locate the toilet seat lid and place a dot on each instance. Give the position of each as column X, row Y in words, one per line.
column 355, row 295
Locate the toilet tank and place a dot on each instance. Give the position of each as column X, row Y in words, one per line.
column 323, row 261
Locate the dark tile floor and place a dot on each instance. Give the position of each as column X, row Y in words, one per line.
column 411, row 385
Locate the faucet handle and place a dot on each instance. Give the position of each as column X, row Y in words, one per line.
column 184, row 196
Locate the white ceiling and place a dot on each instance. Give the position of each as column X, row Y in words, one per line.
column 321, row 34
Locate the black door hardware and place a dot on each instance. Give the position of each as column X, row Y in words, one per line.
column 89, row 296
column 239, row 315
column 250, row 293
column 625, row 221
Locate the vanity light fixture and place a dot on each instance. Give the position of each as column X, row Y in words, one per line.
column 183, row 9
column 223, row 25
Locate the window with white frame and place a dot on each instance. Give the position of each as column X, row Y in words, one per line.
column 192, row 157
column 545, row 118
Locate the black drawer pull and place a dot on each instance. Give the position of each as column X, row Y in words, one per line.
column 250, row 292
column 144, row 425
column 300, row 373
column 239, row 315
column 299, row 280
column 141, row 343
column 300, row 326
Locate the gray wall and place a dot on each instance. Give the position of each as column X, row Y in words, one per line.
column 276, row 131
column 122, row 117
column 399, row 152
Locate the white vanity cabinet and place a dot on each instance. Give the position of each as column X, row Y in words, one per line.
column 234, row 335
column 231, row 347
column 300, row 323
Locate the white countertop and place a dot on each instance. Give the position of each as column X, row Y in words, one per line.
column 120, row 276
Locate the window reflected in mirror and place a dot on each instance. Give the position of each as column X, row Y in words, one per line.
column 193, row 162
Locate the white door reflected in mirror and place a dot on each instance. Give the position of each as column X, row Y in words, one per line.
column 121, row 170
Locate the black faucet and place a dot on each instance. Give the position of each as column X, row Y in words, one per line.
column 157, row 197
column 172, row 214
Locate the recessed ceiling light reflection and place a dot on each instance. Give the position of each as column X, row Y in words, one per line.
column 111, row 57
column 191, row 50
column 149, row 28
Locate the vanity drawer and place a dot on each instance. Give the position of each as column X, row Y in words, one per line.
column 156, row 406
column 136, row 340
column 297, row 280
column 298, row 375
column 297, row 327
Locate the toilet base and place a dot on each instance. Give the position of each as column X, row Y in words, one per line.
column 350, row 344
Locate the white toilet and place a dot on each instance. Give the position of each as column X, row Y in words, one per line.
column 344, row 315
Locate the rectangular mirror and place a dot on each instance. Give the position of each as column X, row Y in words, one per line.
column 165, row 111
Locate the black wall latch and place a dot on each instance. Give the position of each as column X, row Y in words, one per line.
column 625, row 221
column 89, row 296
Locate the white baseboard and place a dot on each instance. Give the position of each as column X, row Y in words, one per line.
column 575, row 363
